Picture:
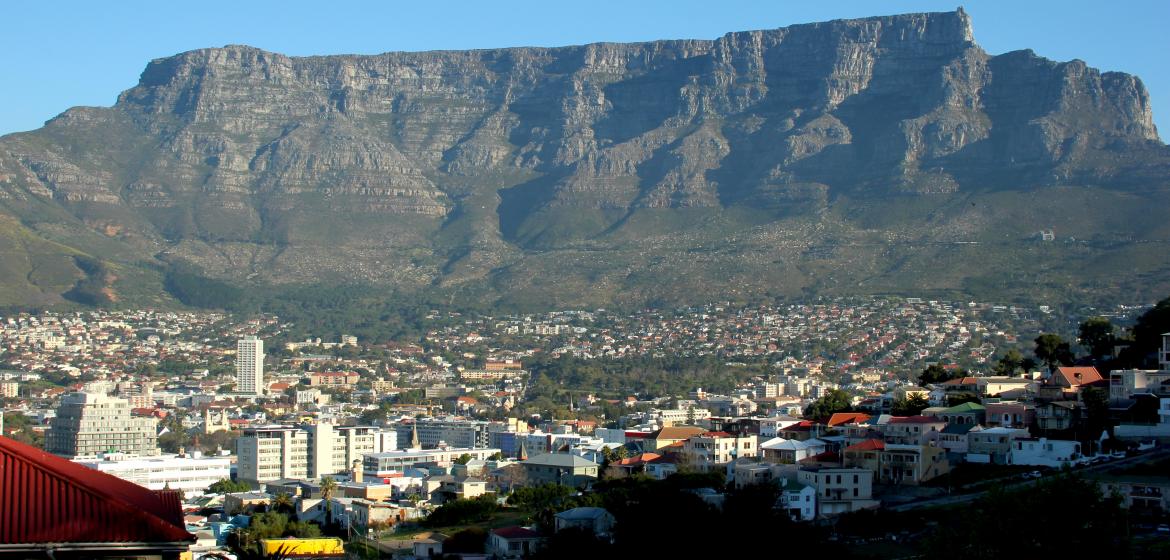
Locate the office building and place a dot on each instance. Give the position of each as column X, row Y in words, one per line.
column 472, row 434
column 308, row 452
column 192, row 475
column 250, row 365
column 390, row 464
column 91, row 423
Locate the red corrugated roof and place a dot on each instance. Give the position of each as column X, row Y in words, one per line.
column 47, row 499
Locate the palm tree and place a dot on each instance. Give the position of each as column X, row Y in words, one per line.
column 281, row 502
column 328, row 487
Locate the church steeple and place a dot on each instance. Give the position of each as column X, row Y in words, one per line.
column 414, row 436
column 523, row 454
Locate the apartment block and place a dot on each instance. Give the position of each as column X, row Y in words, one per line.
column 91, row 423
column 310, row 451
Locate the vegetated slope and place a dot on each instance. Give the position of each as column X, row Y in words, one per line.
column 878, row 155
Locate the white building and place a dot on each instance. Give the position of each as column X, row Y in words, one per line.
column 191, row 474
column 250, row 365
column 1044, row 452
column 91, row 423
column 839, row 489
column 388, row 464
column 307, row 452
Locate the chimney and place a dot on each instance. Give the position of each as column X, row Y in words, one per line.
column 355, row 473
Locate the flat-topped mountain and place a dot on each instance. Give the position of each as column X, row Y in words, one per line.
column 878, row 155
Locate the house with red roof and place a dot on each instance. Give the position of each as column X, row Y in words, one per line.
column 54, row 508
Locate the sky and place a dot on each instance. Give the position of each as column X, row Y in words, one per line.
column 57, row 54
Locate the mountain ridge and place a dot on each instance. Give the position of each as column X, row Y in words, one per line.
column 595, row 173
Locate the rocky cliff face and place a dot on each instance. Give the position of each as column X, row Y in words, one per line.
column 444, row 168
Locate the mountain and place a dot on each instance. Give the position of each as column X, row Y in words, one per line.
column 869, row 156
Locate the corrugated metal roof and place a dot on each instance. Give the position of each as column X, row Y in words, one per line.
column 47, row 499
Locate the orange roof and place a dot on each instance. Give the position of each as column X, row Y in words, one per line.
column 839, row 418
column 868, row 445
column 962, row 381
column 678, row 432
column 1087, row 374
column 638, row 459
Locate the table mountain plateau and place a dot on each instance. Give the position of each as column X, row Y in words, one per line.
column 870, row 156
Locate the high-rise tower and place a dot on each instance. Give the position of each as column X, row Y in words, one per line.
column 250, row 365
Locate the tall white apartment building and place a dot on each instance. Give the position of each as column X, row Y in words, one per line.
column 91, row 423
column 308, row 452
column 250, row 365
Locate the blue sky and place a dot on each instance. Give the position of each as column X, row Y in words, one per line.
column 55, row 55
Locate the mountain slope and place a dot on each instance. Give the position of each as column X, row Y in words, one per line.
column 878, row 155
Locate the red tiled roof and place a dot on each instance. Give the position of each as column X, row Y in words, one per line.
column 638, row 459
column 716, row 434
column 839, row 418
column 47, row 499
column 961, row 381
column 868, row 445
column 1088, row 374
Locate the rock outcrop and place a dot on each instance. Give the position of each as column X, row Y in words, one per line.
column 444, row 168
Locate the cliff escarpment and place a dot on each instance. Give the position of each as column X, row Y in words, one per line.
column 887, row 154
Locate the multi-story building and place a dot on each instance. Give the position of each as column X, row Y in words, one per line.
column 839, row 489
column 250, row 365
column 992, row 445
column 9, row 389
column 560, row 468
column 913, row 430
column 898, row 464
column 712, row 451
column 311, row 451
column 472, row 434
column 91, row 423
column 192, row 475
column 388, row 464
column 1124, row 383
column 334, row 378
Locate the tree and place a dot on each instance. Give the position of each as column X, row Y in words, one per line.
column 912, row 405
column 228, row 486
column 463, row 459
column 328, row 487
column 1097, row 336
column 467, row 541
column 1011, row 363
column 1052, row 350
column 1013, row 516
column 833, row 402
column 282, row 503
column 1147, row 336
column 935, row 373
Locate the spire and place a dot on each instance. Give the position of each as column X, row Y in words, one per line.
column 414, row 435
column 523, row 454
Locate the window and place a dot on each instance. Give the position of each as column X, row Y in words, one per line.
column 856, row 479
column 854, row 492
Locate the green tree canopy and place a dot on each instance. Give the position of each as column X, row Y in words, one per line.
column 912, row 405
column 833, row 402
column 227, row 486
column 936, row 373
column 1097, row 335
column 1052, row 350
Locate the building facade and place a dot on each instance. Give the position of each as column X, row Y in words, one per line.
column 250, row 365
column 192, row 475
column 91, row 423
column 311, row 451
